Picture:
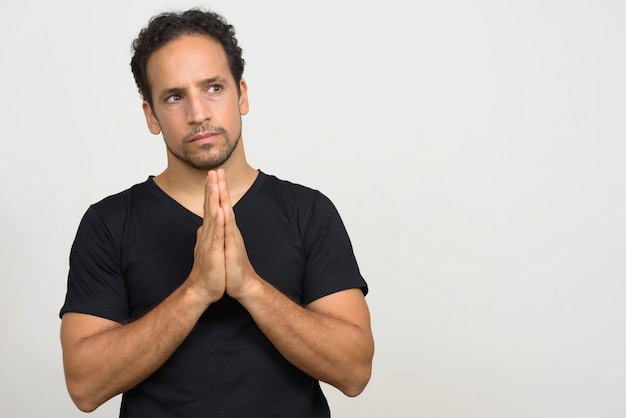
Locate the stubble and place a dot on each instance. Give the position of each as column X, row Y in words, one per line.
column 213, row 155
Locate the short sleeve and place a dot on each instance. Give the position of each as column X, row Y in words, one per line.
column 330, row 264
column 96, row 284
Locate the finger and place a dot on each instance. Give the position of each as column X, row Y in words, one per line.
column 223, row 188
column 233, row 239
column 229, row 225
column 226, row 205
column 211, row 197
column 218, row 230
column 207, row 194
column 206, row 230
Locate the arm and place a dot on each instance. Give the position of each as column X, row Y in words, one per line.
column 103, row 358
column 330, row 339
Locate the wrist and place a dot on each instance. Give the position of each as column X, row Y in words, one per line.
column 251, row 289
column 196, row 293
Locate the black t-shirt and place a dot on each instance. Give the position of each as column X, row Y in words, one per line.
column 134, row 248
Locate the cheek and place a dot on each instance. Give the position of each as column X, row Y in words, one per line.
column 171, row 127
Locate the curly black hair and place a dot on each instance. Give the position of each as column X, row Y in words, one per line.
column 168, row 26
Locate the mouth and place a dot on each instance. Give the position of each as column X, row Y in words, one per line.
column 203, row 138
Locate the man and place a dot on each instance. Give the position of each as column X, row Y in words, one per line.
column 212, row 289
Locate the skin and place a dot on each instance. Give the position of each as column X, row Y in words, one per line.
column 329, row 339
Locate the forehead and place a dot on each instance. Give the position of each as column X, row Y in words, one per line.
column 185, row 59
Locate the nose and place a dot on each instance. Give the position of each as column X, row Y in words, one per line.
column 197, row 110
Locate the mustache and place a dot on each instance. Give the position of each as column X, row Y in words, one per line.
column 205, row 127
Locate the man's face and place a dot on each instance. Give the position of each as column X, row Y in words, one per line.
column 196, row 103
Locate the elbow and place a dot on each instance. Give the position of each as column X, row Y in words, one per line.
column 356, row 383
column 361, row 375
column 86, row 392
column 84, row 404
column 81, row 398
column 353, row 391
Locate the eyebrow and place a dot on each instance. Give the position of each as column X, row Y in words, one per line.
column 206, row 82
column 212, row 80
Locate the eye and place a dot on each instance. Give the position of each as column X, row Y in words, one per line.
column 173, row 98
column 216, row 88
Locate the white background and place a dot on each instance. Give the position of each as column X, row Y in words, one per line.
column 475, row 150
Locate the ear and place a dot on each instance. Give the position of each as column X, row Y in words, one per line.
column 243, row 97
column 151, row 120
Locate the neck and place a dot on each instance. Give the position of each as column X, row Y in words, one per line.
column 186, row 184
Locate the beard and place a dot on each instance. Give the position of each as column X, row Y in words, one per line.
column 215, row 155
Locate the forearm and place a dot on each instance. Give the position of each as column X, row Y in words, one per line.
column 326, row 347
column 330, row 339
column 118, row 357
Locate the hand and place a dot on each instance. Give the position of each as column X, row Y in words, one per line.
column 239, row 271
column 208, row 273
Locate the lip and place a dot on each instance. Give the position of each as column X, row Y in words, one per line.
column 204, row 138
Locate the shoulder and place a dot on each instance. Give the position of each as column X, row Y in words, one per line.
column 120, row 203
column 308, row 207
column 123, row 198
column 291, row 192
column 112, row 211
